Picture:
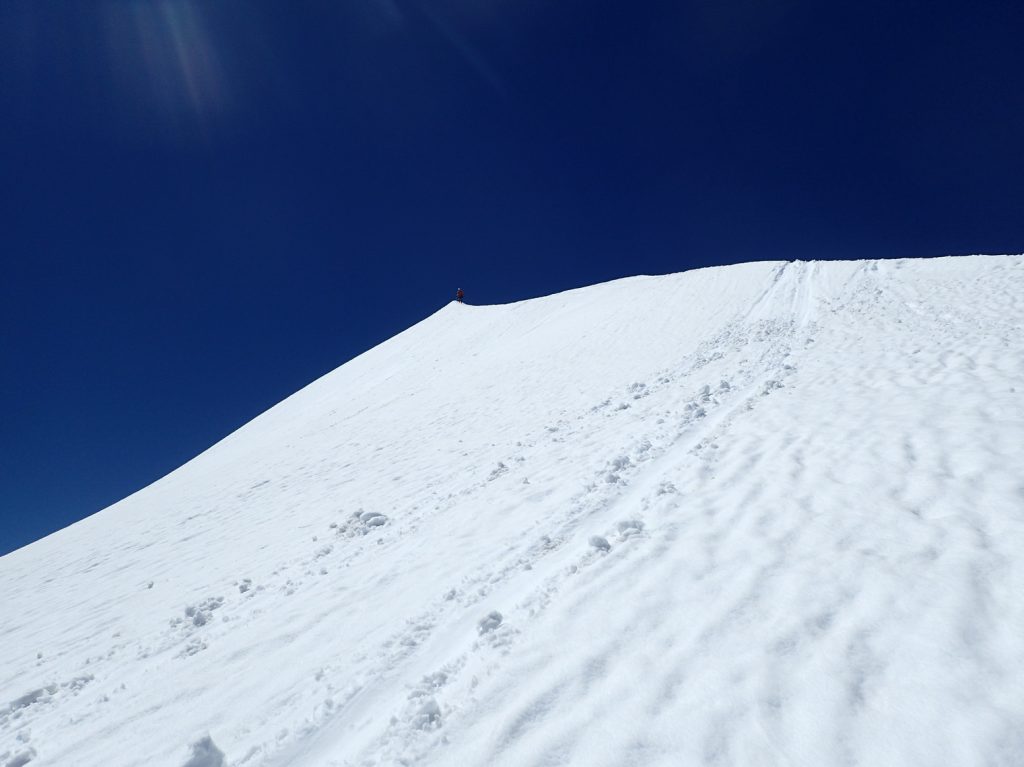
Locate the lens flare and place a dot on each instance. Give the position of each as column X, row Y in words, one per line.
column 164, row 60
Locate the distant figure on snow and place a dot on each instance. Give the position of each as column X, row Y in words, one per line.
column 459, row 295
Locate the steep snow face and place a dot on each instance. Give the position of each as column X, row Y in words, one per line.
column 769, row 514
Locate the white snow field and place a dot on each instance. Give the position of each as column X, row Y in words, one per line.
column 766, row 514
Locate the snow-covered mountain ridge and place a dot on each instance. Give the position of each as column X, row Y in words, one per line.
column 767, row 514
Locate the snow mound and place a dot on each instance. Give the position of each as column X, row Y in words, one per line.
column 768, row 514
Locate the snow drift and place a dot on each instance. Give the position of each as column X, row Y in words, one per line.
column 768, row 514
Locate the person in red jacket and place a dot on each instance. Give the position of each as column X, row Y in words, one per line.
column 459, row 295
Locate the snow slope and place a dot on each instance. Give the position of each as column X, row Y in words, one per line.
column 767, row 514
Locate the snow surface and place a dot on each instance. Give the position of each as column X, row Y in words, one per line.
column 767, row 514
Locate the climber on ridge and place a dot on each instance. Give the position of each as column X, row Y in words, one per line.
column 459, row 295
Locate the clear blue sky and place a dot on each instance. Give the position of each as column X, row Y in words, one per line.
column 209, row 204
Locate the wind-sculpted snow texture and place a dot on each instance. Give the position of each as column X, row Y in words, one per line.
column 769, row 514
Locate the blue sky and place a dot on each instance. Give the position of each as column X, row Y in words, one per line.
column 209, row 204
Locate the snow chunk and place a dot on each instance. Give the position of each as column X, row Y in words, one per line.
column 490, row 622
column 368, row 519
column 629, row 527
column 205, row 754
column 599, row 542
column 203, row 612
column 428, row 717
column 22, row 759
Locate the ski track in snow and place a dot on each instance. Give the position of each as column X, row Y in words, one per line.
column 769, row 514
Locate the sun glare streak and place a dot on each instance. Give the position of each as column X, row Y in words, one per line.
column 464, row 50
column 195, row 56
column 164, row 59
